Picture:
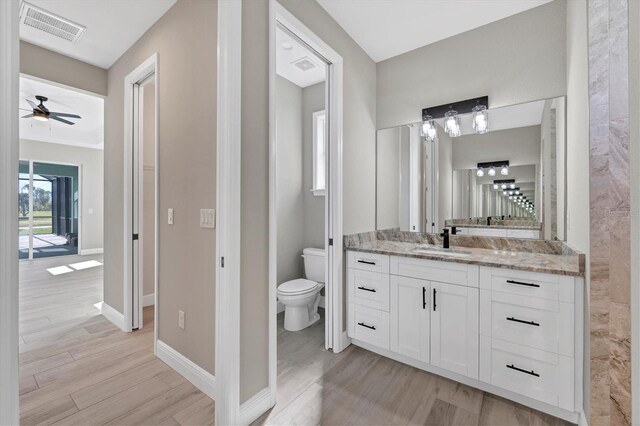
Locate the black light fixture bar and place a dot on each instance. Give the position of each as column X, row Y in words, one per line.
column 461, row 107
column 495, row 164
column 505, row 181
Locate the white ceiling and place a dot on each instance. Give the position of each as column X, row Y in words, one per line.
column 387, row 28
column 87, row 132
column 112, row 27
column 289, row 51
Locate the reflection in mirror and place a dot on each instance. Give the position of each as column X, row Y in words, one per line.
column 508, row 182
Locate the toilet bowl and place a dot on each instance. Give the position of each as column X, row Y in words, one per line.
column 301, row 297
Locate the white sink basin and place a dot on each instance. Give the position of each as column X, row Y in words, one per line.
column 441, row 251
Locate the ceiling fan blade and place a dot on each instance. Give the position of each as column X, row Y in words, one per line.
column 62, row 120
column 27, row 116
column 63, row 114
column 33, row 104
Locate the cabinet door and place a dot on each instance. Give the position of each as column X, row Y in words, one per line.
column 454, row 328
column 409, row 317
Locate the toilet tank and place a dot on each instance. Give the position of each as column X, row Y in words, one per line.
column 314, row 264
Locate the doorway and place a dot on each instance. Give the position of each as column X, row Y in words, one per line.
column 48, row 209
column 318, row 181
column 141, row 195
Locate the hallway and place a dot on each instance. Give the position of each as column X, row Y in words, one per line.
column 76, row 367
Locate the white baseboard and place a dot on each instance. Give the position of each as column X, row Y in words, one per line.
column 584, row 421
column 197, row 375
column 87, row 252
column 112, row 315
column 256, row 406
column 149, row 299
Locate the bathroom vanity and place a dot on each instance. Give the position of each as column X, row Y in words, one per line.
column 507, row 319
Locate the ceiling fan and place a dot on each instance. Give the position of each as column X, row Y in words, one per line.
column 42, row 113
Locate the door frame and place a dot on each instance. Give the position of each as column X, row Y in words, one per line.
column 144, row 70
column 9, row 147
column 336, row 338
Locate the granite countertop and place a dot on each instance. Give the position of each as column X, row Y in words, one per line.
column 484, row 225
column 559, row 264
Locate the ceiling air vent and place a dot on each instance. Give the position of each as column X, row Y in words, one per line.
column 305, row 64
column 50, row 23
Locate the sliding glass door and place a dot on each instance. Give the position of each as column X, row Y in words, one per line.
column 48, row 209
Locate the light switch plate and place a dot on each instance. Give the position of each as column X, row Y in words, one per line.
column 170, row 217
column 181, row 319
column 207, row 218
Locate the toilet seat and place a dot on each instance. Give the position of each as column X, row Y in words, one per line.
column 297, row 287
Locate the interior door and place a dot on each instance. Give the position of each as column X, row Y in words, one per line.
column 409, row 317
column 454, row 328
column 135, row 218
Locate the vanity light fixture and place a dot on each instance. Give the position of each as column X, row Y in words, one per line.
column 452, row 123
column 480, row 119
column 429, row 131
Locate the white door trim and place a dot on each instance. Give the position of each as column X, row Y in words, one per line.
column 228, row 197
column 148, row 67
column 9, row 65
column 336, row 338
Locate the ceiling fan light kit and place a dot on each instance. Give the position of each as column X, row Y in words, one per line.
column 42, row 113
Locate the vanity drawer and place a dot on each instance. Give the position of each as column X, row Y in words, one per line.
column 530, row 284
column 370, row 289
column 368, row 261
column 536, row 374
column 433, row 270
column 369, row 325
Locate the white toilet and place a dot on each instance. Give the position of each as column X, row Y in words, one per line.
column 301, row 297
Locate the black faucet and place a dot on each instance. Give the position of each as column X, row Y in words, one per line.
column 488, row 220
column 445, row 238
column 454, row 230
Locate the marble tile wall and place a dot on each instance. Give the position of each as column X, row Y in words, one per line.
column 610, row 244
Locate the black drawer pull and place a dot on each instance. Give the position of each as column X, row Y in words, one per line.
column 532, row 373
column 371, row 327
column 523, row 321
column 368, row 262
column 521, row 283
column 372, row 290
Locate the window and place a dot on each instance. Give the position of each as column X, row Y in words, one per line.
column 319, row 153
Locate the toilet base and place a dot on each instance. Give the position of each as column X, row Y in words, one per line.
column 296, row 318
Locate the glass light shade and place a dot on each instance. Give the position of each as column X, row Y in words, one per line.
column 504, row 171
column 517, row 192
column 504, row 186
column 480, row 172
column 510, row 197
column 40, row 116
column 492, row 171
column 512, row 186
column 452, row 124
column 495, row 186
column 480, row 119
column 429, row 131
column 510, row 192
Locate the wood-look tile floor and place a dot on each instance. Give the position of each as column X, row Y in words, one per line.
column 358, row 387
column 76, row 367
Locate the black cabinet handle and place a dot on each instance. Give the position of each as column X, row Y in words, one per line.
column 372, row 290
column 368, row 262
column 532, row 373
column 424, row 298
column 434, row 299
column 371, row 327
column 523, row 321
column 521, row 283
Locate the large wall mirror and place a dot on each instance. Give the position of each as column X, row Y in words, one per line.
column 509, row 181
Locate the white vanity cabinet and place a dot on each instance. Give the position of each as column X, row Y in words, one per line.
column 518, row 334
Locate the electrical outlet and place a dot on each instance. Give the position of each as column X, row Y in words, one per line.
column 207, row 218
column 170, row 217
column 181, row 319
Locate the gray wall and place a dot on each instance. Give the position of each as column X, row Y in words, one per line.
column 42, row 63
column 289, row 171
column 91, row 182
column 185, row 40
column 517, row 59
column 149, row 181
column 445, row 179
column 358, row 153
column 388, row 177
column 312, row 101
